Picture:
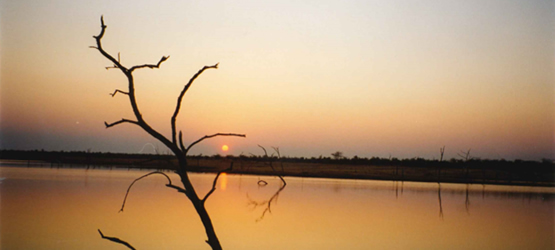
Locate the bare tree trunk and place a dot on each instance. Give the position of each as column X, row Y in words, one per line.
column 198, row 204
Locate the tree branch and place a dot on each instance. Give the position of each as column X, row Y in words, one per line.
column 119, row 91
column 270, row 161
column 131, row 93
column 98, row 38
column 183, row 149
column 441, row 151
column 180, row 98
column 215, row 181
column 263, row 148
column 120, row 121
column 116, row 240
column 465, row 155
column 115, row 66
column 152, row 66
column 170, row 185
column 210, row 136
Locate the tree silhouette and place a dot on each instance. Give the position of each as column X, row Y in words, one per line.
column 175, row 144
column 338, row 155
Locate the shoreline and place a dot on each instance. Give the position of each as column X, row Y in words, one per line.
column 314, row 170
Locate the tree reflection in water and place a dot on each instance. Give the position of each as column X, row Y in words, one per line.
column 439, row 200
column 267, row 204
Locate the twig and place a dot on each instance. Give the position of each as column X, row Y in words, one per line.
column 465, row 155
column 119, row 91
column 98, row 38
column 265, row 152
column 115, row 66
column 116, row 240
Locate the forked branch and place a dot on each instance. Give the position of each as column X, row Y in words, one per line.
column 115, row 66
column 216, row 181
column 116, row 240
column 465, row 155
column 119, row 91
column 210, row 136
column 170, row 185
column 180, row 98
column 183, row 149
column 270, row 162
column 98, row 39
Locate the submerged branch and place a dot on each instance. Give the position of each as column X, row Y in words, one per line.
column 116, row 240
column 170, row 185
column 267, row 203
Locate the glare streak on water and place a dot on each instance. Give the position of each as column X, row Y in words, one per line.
column 51, row 208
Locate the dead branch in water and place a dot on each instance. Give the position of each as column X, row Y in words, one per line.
column 267, row 204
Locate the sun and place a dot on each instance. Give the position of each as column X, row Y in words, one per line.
column 225, row 148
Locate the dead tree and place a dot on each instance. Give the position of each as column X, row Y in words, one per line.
column 174, row 143
column 441, row 152
column 267, row 204
column 337, row 155
column 466, row 157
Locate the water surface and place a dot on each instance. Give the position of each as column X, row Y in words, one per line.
column 44, row 208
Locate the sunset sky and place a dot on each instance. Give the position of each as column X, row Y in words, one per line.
column 368, row 78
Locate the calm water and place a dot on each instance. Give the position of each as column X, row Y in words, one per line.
column 43, row 208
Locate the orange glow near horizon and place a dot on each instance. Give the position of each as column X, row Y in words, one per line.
column 387, row 79
column 225, row 148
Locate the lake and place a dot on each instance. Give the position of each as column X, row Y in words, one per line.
column 62, row 208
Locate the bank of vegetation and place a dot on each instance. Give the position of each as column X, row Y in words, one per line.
column 480, row 171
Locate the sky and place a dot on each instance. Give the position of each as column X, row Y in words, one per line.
column 367, row 78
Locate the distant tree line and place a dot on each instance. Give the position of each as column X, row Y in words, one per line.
column 474, row 163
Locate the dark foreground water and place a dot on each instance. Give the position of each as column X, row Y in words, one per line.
column 43, row 208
